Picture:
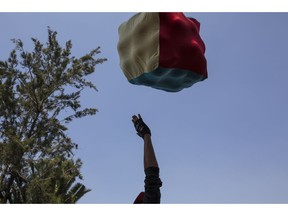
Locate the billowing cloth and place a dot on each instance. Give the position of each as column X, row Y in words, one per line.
column 162, row 50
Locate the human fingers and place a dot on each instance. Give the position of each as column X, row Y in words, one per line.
column 134, row 118
column 139, row 116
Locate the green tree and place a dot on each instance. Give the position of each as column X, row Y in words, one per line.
column 36, row 155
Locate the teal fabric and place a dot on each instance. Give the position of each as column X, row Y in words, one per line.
column 168, row 79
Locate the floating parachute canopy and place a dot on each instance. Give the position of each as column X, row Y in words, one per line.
column 162, row 50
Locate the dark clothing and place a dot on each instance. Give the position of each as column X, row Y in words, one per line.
column 152, row 186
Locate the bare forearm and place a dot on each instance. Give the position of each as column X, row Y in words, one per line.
column 149, row 154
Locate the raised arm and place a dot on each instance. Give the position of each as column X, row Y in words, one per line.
column 152, row 181
column 143, row 131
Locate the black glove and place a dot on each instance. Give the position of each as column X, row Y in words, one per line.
column 141, row 127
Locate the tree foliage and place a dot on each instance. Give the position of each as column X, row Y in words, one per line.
column 36, row 155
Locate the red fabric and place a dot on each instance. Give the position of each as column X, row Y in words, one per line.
column 139, row 198
column 180, row 43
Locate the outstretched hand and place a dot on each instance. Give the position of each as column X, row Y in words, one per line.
column 140, row 126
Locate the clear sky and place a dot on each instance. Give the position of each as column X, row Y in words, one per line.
column 224, row 140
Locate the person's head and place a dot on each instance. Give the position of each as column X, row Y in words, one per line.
column 139, row 198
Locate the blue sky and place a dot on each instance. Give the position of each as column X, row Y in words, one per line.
column 224, row 140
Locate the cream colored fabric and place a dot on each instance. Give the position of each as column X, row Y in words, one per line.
column 138, row 45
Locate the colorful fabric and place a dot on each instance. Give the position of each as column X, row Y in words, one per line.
column 162, row 50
